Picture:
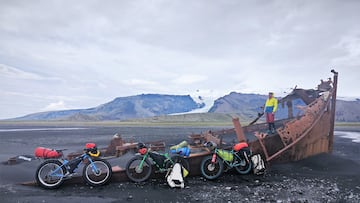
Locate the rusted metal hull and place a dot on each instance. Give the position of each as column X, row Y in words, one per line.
column 297, row 137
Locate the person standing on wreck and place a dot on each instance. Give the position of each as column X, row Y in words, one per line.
column 271, row 106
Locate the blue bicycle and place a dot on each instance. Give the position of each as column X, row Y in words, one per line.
column 52, row 172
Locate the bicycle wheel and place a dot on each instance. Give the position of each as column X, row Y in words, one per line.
column 178, row 159
column 138, row 173
column 243, row 167
column 211, row 170
column 97, row 173
column 50, row 174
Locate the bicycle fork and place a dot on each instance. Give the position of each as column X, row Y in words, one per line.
column 93, row 167
column 139, row 168
column 213, row 159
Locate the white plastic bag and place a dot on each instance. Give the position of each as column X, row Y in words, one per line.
column 175, row 178
column 258, row 164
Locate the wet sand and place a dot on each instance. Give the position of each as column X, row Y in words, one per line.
column 323, row 178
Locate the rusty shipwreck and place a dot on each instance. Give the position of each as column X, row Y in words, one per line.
column 296, row 137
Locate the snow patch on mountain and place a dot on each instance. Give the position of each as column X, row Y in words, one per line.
column 206, row 98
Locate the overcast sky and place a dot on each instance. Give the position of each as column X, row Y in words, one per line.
column 80, row 54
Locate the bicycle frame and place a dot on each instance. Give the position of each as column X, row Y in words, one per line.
column 66, row 164
column 230, row 164
column 147, row 154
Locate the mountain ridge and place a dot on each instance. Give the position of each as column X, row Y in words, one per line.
column 121, row 108
column 142, row 106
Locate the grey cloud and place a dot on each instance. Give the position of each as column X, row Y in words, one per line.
column 105, row 49
column 11, row 72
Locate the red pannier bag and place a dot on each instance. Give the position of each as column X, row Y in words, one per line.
column 240, row 146
column 47, row 153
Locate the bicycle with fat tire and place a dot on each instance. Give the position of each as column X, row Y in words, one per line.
column 51, row 173
column 212, row 166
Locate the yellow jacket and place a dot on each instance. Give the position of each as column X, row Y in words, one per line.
column 271, row 105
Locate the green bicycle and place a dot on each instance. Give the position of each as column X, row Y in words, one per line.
column 239, row 158
column 140, row 167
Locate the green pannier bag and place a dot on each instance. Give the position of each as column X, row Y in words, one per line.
column 226, row 155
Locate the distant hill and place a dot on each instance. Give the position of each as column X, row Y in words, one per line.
column 122, row 108
column 248, row 105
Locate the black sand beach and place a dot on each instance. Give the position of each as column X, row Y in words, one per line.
column 323, row 178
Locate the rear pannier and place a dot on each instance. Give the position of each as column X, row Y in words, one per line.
column 46, row 153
